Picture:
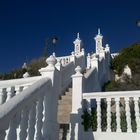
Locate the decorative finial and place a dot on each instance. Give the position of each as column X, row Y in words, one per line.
column 78, row 70
column 51, row 61
column 99, row 31
column 78, row 36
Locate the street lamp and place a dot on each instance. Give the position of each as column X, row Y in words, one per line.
column 54, row 40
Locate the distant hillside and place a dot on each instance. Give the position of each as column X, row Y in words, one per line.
column 32, row 68
column 128, row 56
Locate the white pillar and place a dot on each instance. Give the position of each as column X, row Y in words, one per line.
column 77, row 90
column 76, row 129
column 50, row 125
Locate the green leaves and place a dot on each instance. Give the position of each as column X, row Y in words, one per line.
column 130, row 56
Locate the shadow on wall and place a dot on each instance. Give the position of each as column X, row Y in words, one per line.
column 77, row 129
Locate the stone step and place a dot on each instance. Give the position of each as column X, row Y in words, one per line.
column 66, row 97
column 65, row 107
column 65, row 102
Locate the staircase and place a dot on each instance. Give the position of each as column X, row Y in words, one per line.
column 64, row 110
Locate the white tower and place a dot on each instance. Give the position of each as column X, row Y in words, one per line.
column 77, row 44
column 98, row 40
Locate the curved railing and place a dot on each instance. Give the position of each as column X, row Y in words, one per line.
column 10, row 88
column 24, row 116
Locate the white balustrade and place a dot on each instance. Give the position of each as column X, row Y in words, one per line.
column 22, row 115
column 10, row 88
column 10, row 93
column 122, row 97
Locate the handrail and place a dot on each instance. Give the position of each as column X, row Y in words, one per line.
column 112, row 94
column 28, row 96
column 21, row 81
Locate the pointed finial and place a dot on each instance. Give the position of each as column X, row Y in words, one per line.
column 78, row 35
column 99, row 31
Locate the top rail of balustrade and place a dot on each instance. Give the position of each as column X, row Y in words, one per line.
column 14, row 105
column 19, row 82
column 112, row 94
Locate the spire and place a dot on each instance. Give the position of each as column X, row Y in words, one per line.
column 78, row 36
column 99, row 31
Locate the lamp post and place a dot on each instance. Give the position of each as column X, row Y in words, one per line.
column 54, row 40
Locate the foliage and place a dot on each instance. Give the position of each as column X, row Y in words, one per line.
column 130, row 56
column 32, row 68
column 86, row 120
column 35, row 65
column 90, row 118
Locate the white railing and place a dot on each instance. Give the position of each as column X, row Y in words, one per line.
column 66, row 65
column 64, row 60
column 107, row 114
column 10, row 88
column 25, row 115
column 120, row 104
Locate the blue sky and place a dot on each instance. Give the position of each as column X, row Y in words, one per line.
column 24, row 25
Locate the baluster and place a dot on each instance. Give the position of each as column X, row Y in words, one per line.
column 18, row 89
column 32, row 121
column 128, row 116
column 24, row 124
column 108, row 114
column 39, row 117
column 118, row 114
column 88, row 106
column 98, row 114
column 10, row 93
column 2, row 95
column 44, row 116
column 2, row 135
column 11, row 132
column 137, row 114
column 12, row 126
